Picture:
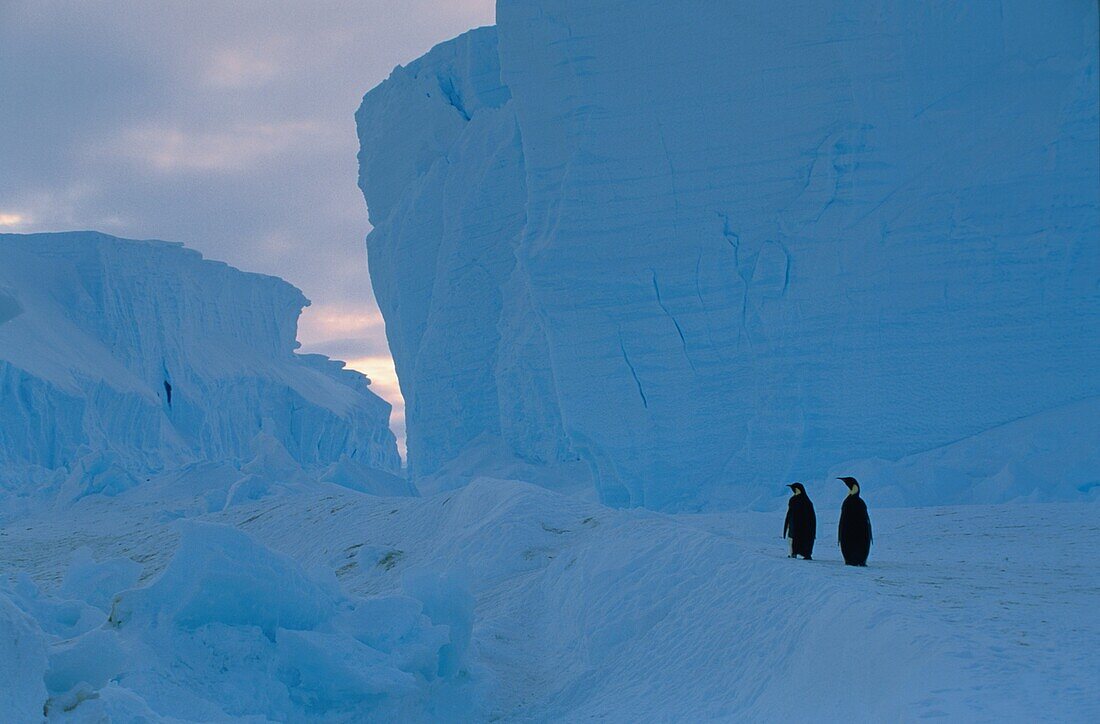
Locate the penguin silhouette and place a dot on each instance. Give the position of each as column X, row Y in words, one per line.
column 854, row 533
column 801, row 523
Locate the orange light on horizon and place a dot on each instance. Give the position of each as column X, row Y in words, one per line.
column 324, row 325
column 383, row 382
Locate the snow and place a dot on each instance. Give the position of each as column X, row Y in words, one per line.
column 706, row 251
column 502, row 600
column 96, row 582
column 97, row 330
column 219, row 575
column 1054, row 455
column 22, row 663
column 227, row 628
column 358, row 476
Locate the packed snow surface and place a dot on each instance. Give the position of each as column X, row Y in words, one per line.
column 120, row 359
column 506, row 601
column 706, row 247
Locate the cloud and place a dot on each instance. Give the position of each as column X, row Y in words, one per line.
column 332, row 321
column 379, row 368
column 170, row 149
column 235, row 68
column 13, row 221
column 344, row 330
column 383, row 377
column 60, row 209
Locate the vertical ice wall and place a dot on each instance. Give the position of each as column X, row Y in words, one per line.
column 143, row 355
column 442, row 164
column 742, row 241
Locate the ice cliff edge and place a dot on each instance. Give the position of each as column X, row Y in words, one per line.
column 709, row 248
column 119, row 358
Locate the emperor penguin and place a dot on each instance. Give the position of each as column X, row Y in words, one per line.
column 801, row 523
column 854, row 534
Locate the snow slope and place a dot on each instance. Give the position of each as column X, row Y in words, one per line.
column 1054, row 455
column 331, row 605
column 95, row 334
column 706, row 247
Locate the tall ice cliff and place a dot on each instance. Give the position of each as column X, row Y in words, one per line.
column 712, row 247
column 122, row 358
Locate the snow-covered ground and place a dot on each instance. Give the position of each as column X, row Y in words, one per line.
column 361, row 607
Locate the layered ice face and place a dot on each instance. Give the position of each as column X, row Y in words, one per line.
column 709, row 248
column 442, row 167
column 120, row 358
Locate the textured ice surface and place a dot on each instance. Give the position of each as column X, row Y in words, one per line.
column 502, row 601
column 22, row 663
column 119, row 358
column 228, row 629
column 442, row 168
column 359, row 476
column 220, row 576
column 711, row 247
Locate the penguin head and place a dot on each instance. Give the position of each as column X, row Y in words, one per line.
column 853, row 485
column 797, row 489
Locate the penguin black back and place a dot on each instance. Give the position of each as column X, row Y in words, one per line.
column 800, row 524
column 854, row 531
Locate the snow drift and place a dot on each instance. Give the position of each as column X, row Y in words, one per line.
column 122, row 358
column 712, row 247
column 329, row 605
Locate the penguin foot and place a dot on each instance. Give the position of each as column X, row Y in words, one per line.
column 807, row 558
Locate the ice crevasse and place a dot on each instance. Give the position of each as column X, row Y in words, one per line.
column 708, row 248
column 123, row 358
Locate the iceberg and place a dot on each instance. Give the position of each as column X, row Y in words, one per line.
column 707, row 250
column 122, row 359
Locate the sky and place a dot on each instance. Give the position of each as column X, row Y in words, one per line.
column 225, row 125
